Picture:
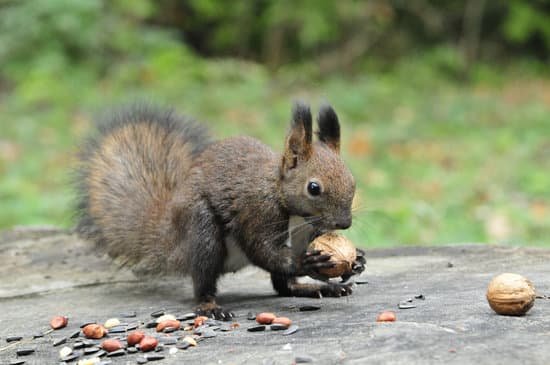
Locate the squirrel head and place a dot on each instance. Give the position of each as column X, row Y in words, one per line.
column 314, row 181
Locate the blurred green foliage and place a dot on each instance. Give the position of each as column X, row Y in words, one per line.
column 444, row 106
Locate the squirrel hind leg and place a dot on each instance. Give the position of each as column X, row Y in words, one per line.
column 289, row 287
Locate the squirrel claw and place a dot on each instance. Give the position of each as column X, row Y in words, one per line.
column 313, row 261
column 336, row 290
column 214, row 311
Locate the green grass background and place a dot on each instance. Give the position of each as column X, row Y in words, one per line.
column 437, row 160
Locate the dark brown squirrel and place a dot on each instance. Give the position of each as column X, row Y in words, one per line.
column 158, row 194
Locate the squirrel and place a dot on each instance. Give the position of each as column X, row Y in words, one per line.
column 157, row 193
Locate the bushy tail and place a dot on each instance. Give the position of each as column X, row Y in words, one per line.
column 127, row 176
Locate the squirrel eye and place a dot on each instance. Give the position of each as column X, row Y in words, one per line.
column 313, row 188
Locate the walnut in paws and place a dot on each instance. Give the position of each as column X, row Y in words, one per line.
column 342, row 251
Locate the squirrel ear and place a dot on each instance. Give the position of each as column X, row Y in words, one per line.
column 329, row 127
column 298, row 140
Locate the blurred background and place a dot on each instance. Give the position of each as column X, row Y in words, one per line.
column 445, row 106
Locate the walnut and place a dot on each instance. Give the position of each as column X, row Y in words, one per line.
column 511, row 294
column 341, row 249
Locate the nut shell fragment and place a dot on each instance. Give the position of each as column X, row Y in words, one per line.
column 511, row 294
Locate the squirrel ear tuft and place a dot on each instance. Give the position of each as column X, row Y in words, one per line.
column 329, row 127
column 299, row 138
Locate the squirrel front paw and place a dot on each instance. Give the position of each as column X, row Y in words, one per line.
column 313, row 261
column 358, row 265
column 212, row 310
column 335, row 290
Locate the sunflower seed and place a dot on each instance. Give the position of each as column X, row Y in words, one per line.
column 88, row 343
column 13, row 338
column 291, row 330
column 361, row 281
column 158, row 313
column 75, row 334
column 406, row 305
column 251, row 316
column 309, row 308
column 17, row 362
column 152, row 324
column 130, row 314
column 278, row 327
column 420, row 296
column 186, row 316
column 25, row 351
column 91, row 350
column 60, row 341
column 118, row 352
column 132, row 326
column 154, row 357
column 256, row 328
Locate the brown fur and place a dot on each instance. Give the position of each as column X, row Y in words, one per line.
column 158, row 195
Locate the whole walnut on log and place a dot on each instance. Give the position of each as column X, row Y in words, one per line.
column 511, row 294
column 342, row 251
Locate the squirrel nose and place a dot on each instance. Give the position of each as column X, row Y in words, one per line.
column 343, row 223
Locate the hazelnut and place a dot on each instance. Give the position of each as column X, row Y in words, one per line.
column 342, row 251
column 111, row 345
column 282, row 321
column 265, row 318
column 148, row 343
column 135, row 337
column 58, row 322
column 511, row 294
column 94, row 331
column 386, row 316
column 168, row 323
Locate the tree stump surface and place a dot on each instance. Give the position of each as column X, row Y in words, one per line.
column 46, row 272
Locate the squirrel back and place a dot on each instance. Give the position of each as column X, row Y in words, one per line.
column 126, row 179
